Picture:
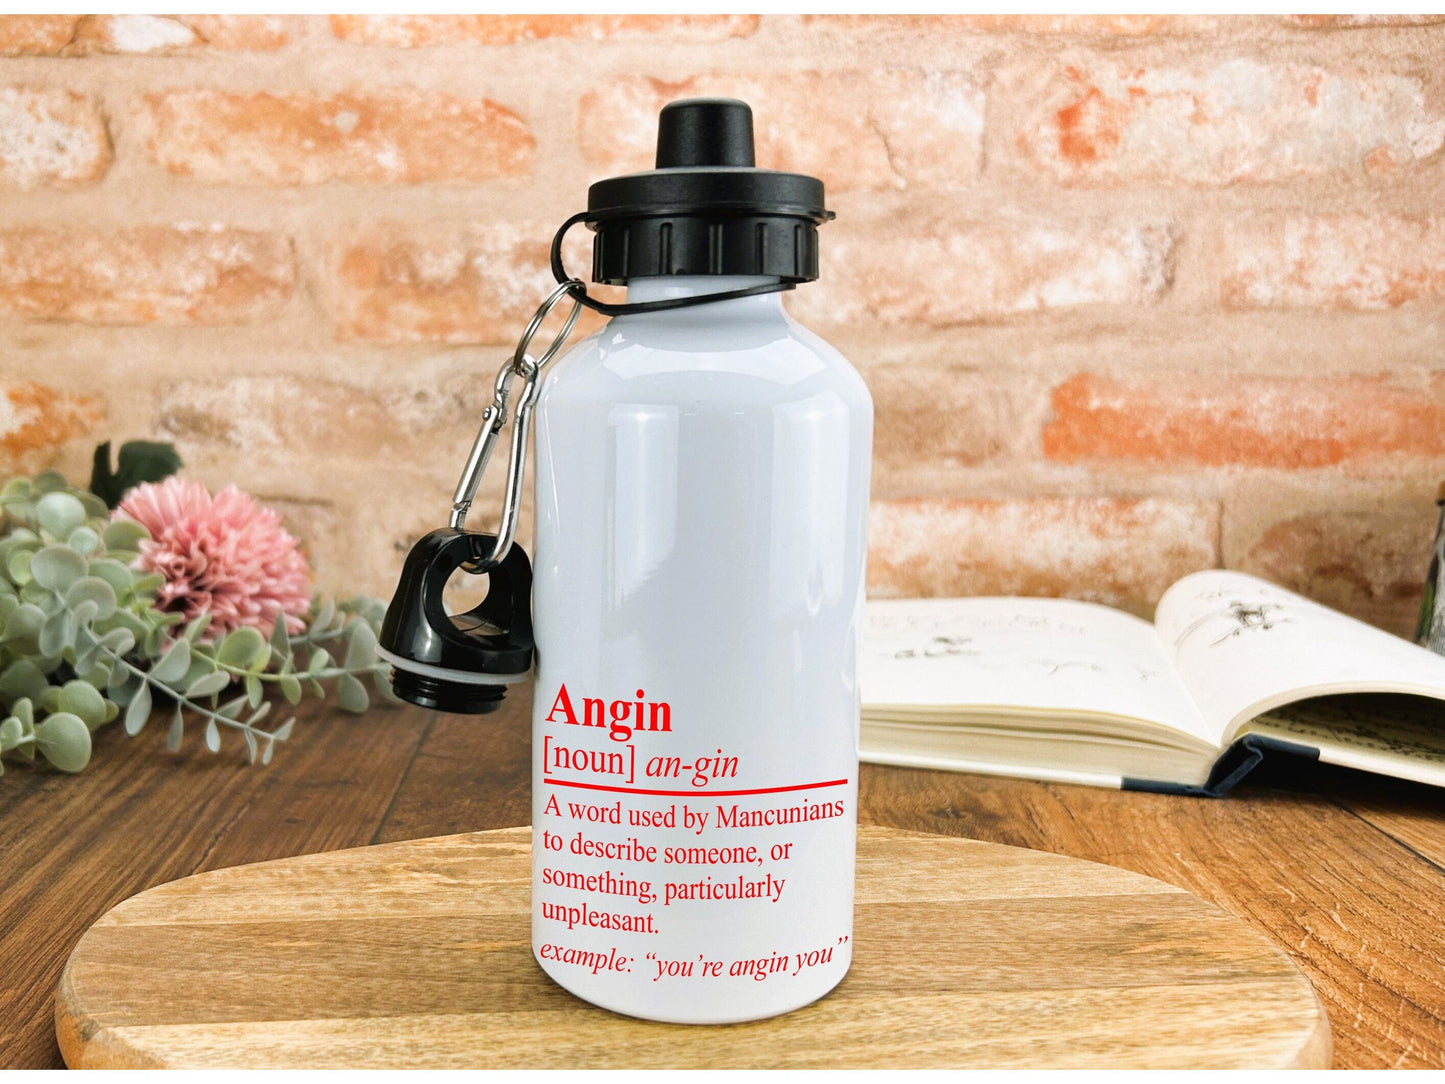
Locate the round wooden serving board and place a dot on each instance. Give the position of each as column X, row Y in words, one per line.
column 418, row 954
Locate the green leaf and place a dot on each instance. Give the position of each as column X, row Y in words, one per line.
column 25, row 624
column 139, row 461
column 138, row 710
column 284, row 730
column 84, row 701
column 197, row 625
column 208, row 684
column 11, row 733
column 250, row 737
column 120, row 578
column 57, row 567
column 123, row 535
column 177, row 730
column 351, row 694
column 361, row 651
column 174, row 663
column 245, row 649
column 266, row 752
column 213, row 736
column 56, row 634
column 280, row 640
column 83, row 541
column 118, row 641
column 58, row 514
column 324, row 613
column 290, row 688
column 64, row 740
column 17, row 566
column 320, row 660
column 22, row 679
column 92, row 589
column 253, row 690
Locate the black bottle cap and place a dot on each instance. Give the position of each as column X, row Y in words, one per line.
column 463, row 662
column 706, row 209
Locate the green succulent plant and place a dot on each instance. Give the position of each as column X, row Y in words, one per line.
column 82, row 642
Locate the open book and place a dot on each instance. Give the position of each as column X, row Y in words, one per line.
column 1232, row 668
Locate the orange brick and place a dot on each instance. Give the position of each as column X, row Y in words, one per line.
column 1240, row 121
column 1351, row 262
column 854, row 129
column 410, row 31
column 1126, row 26
column 941, row 273
column 1120, row 552
column 51, row 137
column 1370, row 564
column 385, row 135
column 1301, row 423
column 37, row 420
column 928, row 416
column 144, row 275
column 1352, row 22
column 476, row 285
column 176, row 33
column 83, row 35
column 36, row 35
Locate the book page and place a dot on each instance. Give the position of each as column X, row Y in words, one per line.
column 1027, row 656
column 1402, row 736
column 1244, row 646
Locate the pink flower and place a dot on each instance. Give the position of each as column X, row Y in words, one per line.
column 226, row 556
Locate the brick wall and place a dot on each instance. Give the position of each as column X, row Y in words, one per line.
column 1135, row 295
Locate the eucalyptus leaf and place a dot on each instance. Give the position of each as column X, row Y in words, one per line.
column 59, row 513
column 320, row 660
column 55, row 634
column 245, row 649
column 361, row 650
column 253, row 690
column 213, row 736
column 123, row 535
column 290, row 688
column 17, row 566
column 83, row 541
column 22, row 680
column 196, row 626
column 83, row 701
column 57, row 567
column 174, row 663
column 11, row 733
column 120, row 578
column 177, row 730
column 118, row 641
column 208, row 684
column 138, row 710
column 92, row 589
column 351, row 694
column 64, row 740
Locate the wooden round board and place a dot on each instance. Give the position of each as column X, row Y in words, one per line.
column 418, row 954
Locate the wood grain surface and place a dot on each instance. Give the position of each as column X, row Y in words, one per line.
column 418, row 954
column 1341, row 870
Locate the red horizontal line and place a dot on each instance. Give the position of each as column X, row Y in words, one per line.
column 686, row 793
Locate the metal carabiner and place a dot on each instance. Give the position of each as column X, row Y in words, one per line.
column 494, row 418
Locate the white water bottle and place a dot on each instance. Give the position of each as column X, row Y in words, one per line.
column 701, row 497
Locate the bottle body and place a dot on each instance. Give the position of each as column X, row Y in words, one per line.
column 702, row 484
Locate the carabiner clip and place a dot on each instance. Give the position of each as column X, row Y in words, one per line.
column 494, row 418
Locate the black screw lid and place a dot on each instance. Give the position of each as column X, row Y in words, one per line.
column 706, row 209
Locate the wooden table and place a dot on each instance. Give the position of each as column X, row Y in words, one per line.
column 1344, row 871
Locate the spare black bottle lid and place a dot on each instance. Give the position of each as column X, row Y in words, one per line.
column 706, row 209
